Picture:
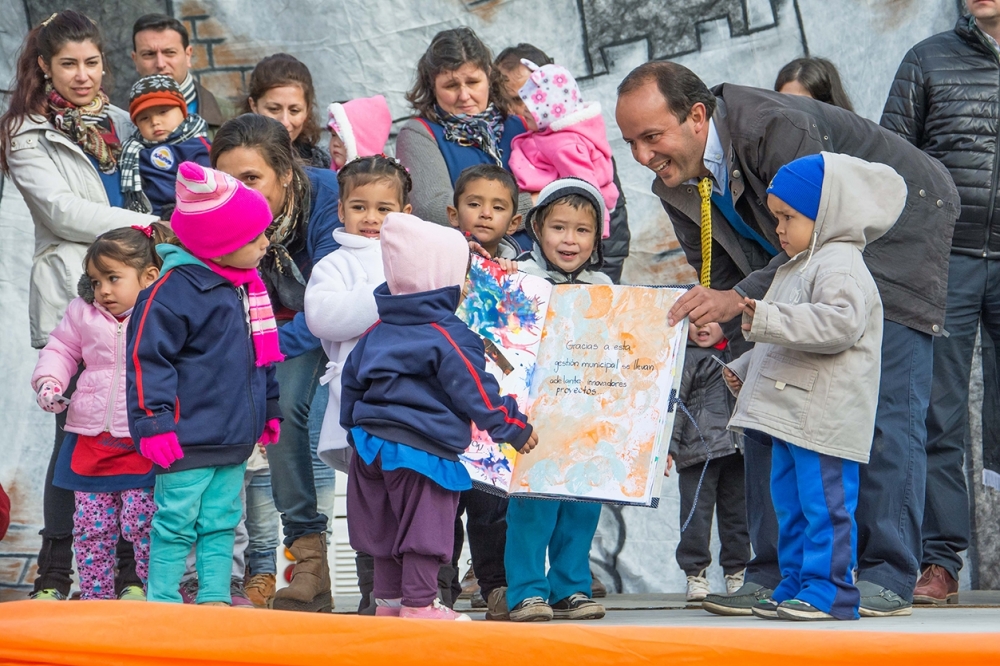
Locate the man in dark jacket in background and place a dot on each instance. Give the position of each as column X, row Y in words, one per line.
column 944, row 101
column 716, row 152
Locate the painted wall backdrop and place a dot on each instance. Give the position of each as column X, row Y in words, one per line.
column 364, row 47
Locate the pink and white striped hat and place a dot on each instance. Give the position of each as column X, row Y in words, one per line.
column 216, row 214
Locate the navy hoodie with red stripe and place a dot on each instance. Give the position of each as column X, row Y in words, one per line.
column 192, row 369
column 418, row 377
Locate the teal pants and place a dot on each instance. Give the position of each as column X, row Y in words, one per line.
column 200, row 508
column 565, row 529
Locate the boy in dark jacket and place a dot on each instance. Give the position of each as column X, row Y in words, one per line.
column 709, row 406
column 201, row 386
column 166, row 135
column 411, row 388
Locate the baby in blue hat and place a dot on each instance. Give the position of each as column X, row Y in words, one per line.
column 811, row 380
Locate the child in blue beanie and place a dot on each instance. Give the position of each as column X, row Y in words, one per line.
column 811, row 381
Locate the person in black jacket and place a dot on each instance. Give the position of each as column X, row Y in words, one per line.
column 700, row 435
column 944, row 100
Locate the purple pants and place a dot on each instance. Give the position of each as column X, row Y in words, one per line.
column 98, row 520
column 407, row 523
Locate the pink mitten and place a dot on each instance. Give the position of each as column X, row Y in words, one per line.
column 162, row 449
column 50, row 397
column 272, row 431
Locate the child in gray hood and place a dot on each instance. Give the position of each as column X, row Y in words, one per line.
column 811, row 381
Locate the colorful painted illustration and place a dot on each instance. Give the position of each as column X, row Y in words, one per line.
column 507, row 311
column 600, row 395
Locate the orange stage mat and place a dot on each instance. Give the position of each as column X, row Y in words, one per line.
column 115, row 633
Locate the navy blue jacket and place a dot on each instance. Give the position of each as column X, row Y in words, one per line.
column 458, row 158
column 294, row 336
column 192, row 369
column 158, row 168
column 418, row 377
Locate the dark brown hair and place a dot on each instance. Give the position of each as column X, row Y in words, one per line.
column 449, row 50
column 265, row 135
column 574, row 201
column 820, row 77
column 680, row 87
column 45, row 40
column 487, row 172
column 129, row 246
column 159, row 23
column 364, row 170
column 510, row 57
column 280, row 70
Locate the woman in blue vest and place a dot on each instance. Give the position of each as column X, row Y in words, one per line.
column 258, row 151
column 461, row 121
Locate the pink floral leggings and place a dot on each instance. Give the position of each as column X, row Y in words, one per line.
column 97, row 522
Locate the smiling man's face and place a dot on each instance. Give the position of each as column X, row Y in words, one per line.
column 671, row 149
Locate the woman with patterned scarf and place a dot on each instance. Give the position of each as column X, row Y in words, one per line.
column 461, row 120
column 61, row 141
column 258, row 151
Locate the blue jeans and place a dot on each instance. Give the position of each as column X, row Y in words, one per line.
column 262, row 525
column 565, row 530
column 973, row 299
column 815, row 497
column 201, row 508
column 891, row 492
column 290, row 459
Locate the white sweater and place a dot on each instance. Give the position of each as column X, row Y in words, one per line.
column 339, row 307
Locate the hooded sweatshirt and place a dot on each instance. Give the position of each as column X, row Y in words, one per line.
column 812, row 379
column 363, row 125
column 418, row 376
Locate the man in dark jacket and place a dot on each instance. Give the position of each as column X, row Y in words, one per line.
column 160, row 45
column 944, row 101
column 714, row 154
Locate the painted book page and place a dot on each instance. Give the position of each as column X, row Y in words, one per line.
column 600, row 395
column 507, row 311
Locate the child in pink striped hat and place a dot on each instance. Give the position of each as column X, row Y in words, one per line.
column 201, row 384
column 358, row 128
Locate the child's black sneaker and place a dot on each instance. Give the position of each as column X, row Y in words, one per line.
column 577, row 607
column 532, row 609
column 765, row 609
column 793, row 609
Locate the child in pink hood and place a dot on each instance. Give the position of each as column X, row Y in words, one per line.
column 570, row 140
column 358, row 128
column 112, row 483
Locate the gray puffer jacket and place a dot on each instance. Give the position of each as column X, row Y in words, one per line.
column 812, row 378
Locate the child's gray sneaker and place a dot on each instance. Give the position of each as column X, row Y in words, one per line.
column 793, row 609
column 577, row 606
column 766, row 609
column 878, row 601
column 738, row 603
column 532, row 609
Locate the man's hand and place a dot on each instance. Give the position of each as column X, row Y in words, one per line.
column 732, row 381
column 530, row 444
column 670, row 463
column 749, row 307
column 704, row 306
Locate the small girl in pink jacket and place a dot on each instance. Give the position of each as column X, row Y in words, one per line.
column 358, row 128
column 112, row 483
column 569, row 139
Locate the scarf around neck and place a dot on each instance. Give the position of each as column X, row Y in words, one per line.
column 189, row 91
column 193, row 126
column 482, row 130
column 263, row 327
column 82, row 124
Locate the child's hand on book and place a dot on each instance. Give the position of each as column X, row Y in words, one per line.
column 509, row 266
column 530, row 444
column 732, row 381
column 749, row 308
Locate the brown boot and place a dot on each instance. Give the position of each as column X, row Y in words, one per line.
column 309, row 589
column 936, row 586
column 260, row 590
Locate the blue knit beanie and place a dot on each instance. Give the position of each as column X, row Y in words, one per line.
column 799, row 184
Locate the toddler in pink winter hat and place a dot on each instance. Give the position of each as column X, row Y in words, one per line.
column 421, row 256
column 358, row 128
column 215, row 213
column 570, row 140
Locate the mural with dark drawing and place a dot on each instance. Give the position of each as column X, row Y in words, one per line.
column 670, row 28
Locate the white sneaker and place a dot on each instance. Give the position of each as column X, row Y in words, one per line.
column 697, row 588
column 734, row 581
